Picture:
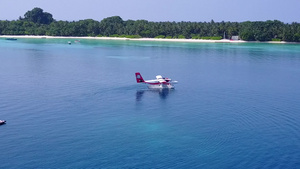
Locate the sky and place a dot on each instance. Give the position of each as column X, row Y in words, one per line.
column 286, row 11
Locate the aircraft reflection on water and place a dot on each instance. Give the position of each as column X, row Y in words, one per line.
column 163, row 93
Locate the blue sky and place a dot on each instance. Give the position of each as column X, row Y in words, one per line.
column 159, row 10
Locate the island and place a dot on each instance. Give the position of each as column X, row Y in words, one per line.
column 37, row 23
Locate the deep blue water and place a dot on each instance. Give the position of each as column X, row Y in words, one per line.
column 79, row 106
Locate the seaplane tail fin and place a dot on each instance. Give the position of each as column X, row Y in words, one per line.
column 139, row 78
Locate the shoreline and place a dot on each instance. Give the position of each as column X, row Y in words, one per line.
column 143, row 39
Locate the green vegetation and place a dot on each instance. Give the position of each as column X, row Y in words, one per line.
column 133, row 36
column 38, row 22
column 160, row 36
column 211, row 37
column 37, row 15
column 181, row 37
column 276, row 39
column 123, row 36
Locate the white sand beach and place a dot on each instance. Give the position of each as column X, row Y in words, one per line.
column 136, row 39
column 117, row 38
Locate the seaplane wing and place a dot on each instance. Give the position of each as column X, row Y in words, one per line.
column 159, row 83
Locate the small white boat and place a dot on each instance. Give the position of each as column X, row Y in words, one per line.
column 2, row 122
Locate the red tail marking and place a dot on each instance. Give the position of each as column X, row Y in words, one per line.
column 139, row 78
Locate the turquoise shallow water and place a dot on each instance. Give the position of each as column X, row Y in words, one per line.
column 78, row 106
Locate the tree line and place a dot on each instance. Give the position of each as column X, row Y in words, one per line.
column 38, row 22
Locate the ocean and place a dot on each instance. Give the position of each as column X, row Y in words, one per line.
column 78, row 106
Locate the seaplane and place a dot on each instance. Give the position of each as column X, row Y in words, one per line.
column 159, row 83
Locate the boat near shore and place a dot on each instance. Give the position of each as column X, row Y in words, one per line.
column 11, row 39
